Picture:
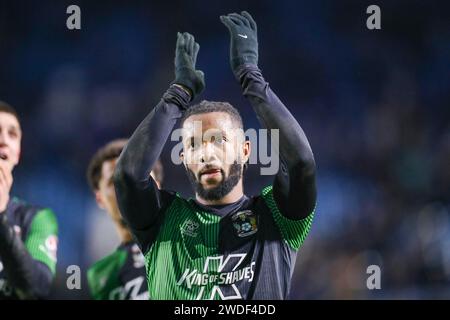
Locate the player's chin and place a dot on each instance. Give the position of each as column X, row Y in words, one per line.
column 210, row 183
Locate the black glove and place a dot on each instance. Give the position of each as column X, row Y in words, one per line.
column 244, row 40
column 185, row 59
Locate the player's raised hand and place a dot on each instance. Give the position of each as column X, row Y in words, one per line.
column 6, row 181
column 244, row 40
column 185, row 60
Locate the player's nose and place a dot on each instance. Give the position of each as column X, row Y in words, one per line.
column 3, row 138
column 208, row 153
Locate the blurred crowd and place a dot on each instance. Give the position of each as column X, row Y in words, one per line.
column 375, row 105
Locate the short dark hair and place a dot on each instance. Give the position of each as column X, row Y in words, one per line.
column 5, row 107
column 214, row 106
column 108, row 152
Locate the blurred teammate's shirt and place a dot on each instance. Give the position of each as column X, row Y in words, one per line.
column 38, row 229
column 119, row 276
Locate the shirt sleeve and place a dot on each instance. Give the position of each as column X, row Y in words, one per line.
column 294, row 187
column 42, row 238
column 140, row 201
column 294, row 232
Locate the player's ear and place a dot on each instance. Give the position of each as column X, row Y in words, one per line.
column 158, row 184
column 246, row 150
column 183, row 158
column 99, row 200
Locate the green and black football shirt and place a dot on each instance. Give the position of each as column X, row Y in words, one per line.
column 243, row 250
column 38, row 229
column 246, row 250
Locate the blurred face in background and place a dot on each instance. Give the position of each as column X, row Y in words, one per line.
column 10, row 139
column 213, row 153
column 106, row 194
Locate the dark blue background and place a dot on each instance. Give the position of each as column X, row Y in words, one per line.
column 374, row 104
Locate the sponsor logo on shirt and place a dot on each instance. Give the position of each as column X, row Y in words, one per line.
column 209, row 275
column 130, row 291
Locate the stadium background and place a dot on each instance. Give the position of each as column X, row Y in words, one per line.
column 374, row 104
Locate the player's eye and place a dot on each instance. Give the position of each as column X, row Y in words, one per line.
column 218, row 139
column 13, row 133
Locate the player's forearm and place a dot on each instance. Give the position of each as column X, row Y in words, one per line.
column 30, row 278
column 294, row 189
column 147, row 142
column 296, row 175
column 137, row 194
column 294, row 147
column 272, row 113
column 145, row 145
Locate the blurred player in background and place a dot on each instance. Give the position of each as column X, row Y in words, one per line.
column 120, row 275
column 222, row 244
column 28, row 234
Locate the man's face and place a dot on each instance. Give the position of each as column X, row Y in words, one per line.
column 214, row 150
column 10, row 139
column 106, row 194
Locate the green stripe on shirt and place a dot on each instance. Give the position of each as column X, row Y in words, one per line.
column 294, row 232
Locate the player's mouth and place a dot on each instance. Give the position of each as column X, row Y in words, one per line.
column 211, row 173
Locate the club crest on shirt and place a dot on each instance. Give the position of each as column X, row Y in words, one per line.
column 245, row 223
column 50, row 246
column 190, row 228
